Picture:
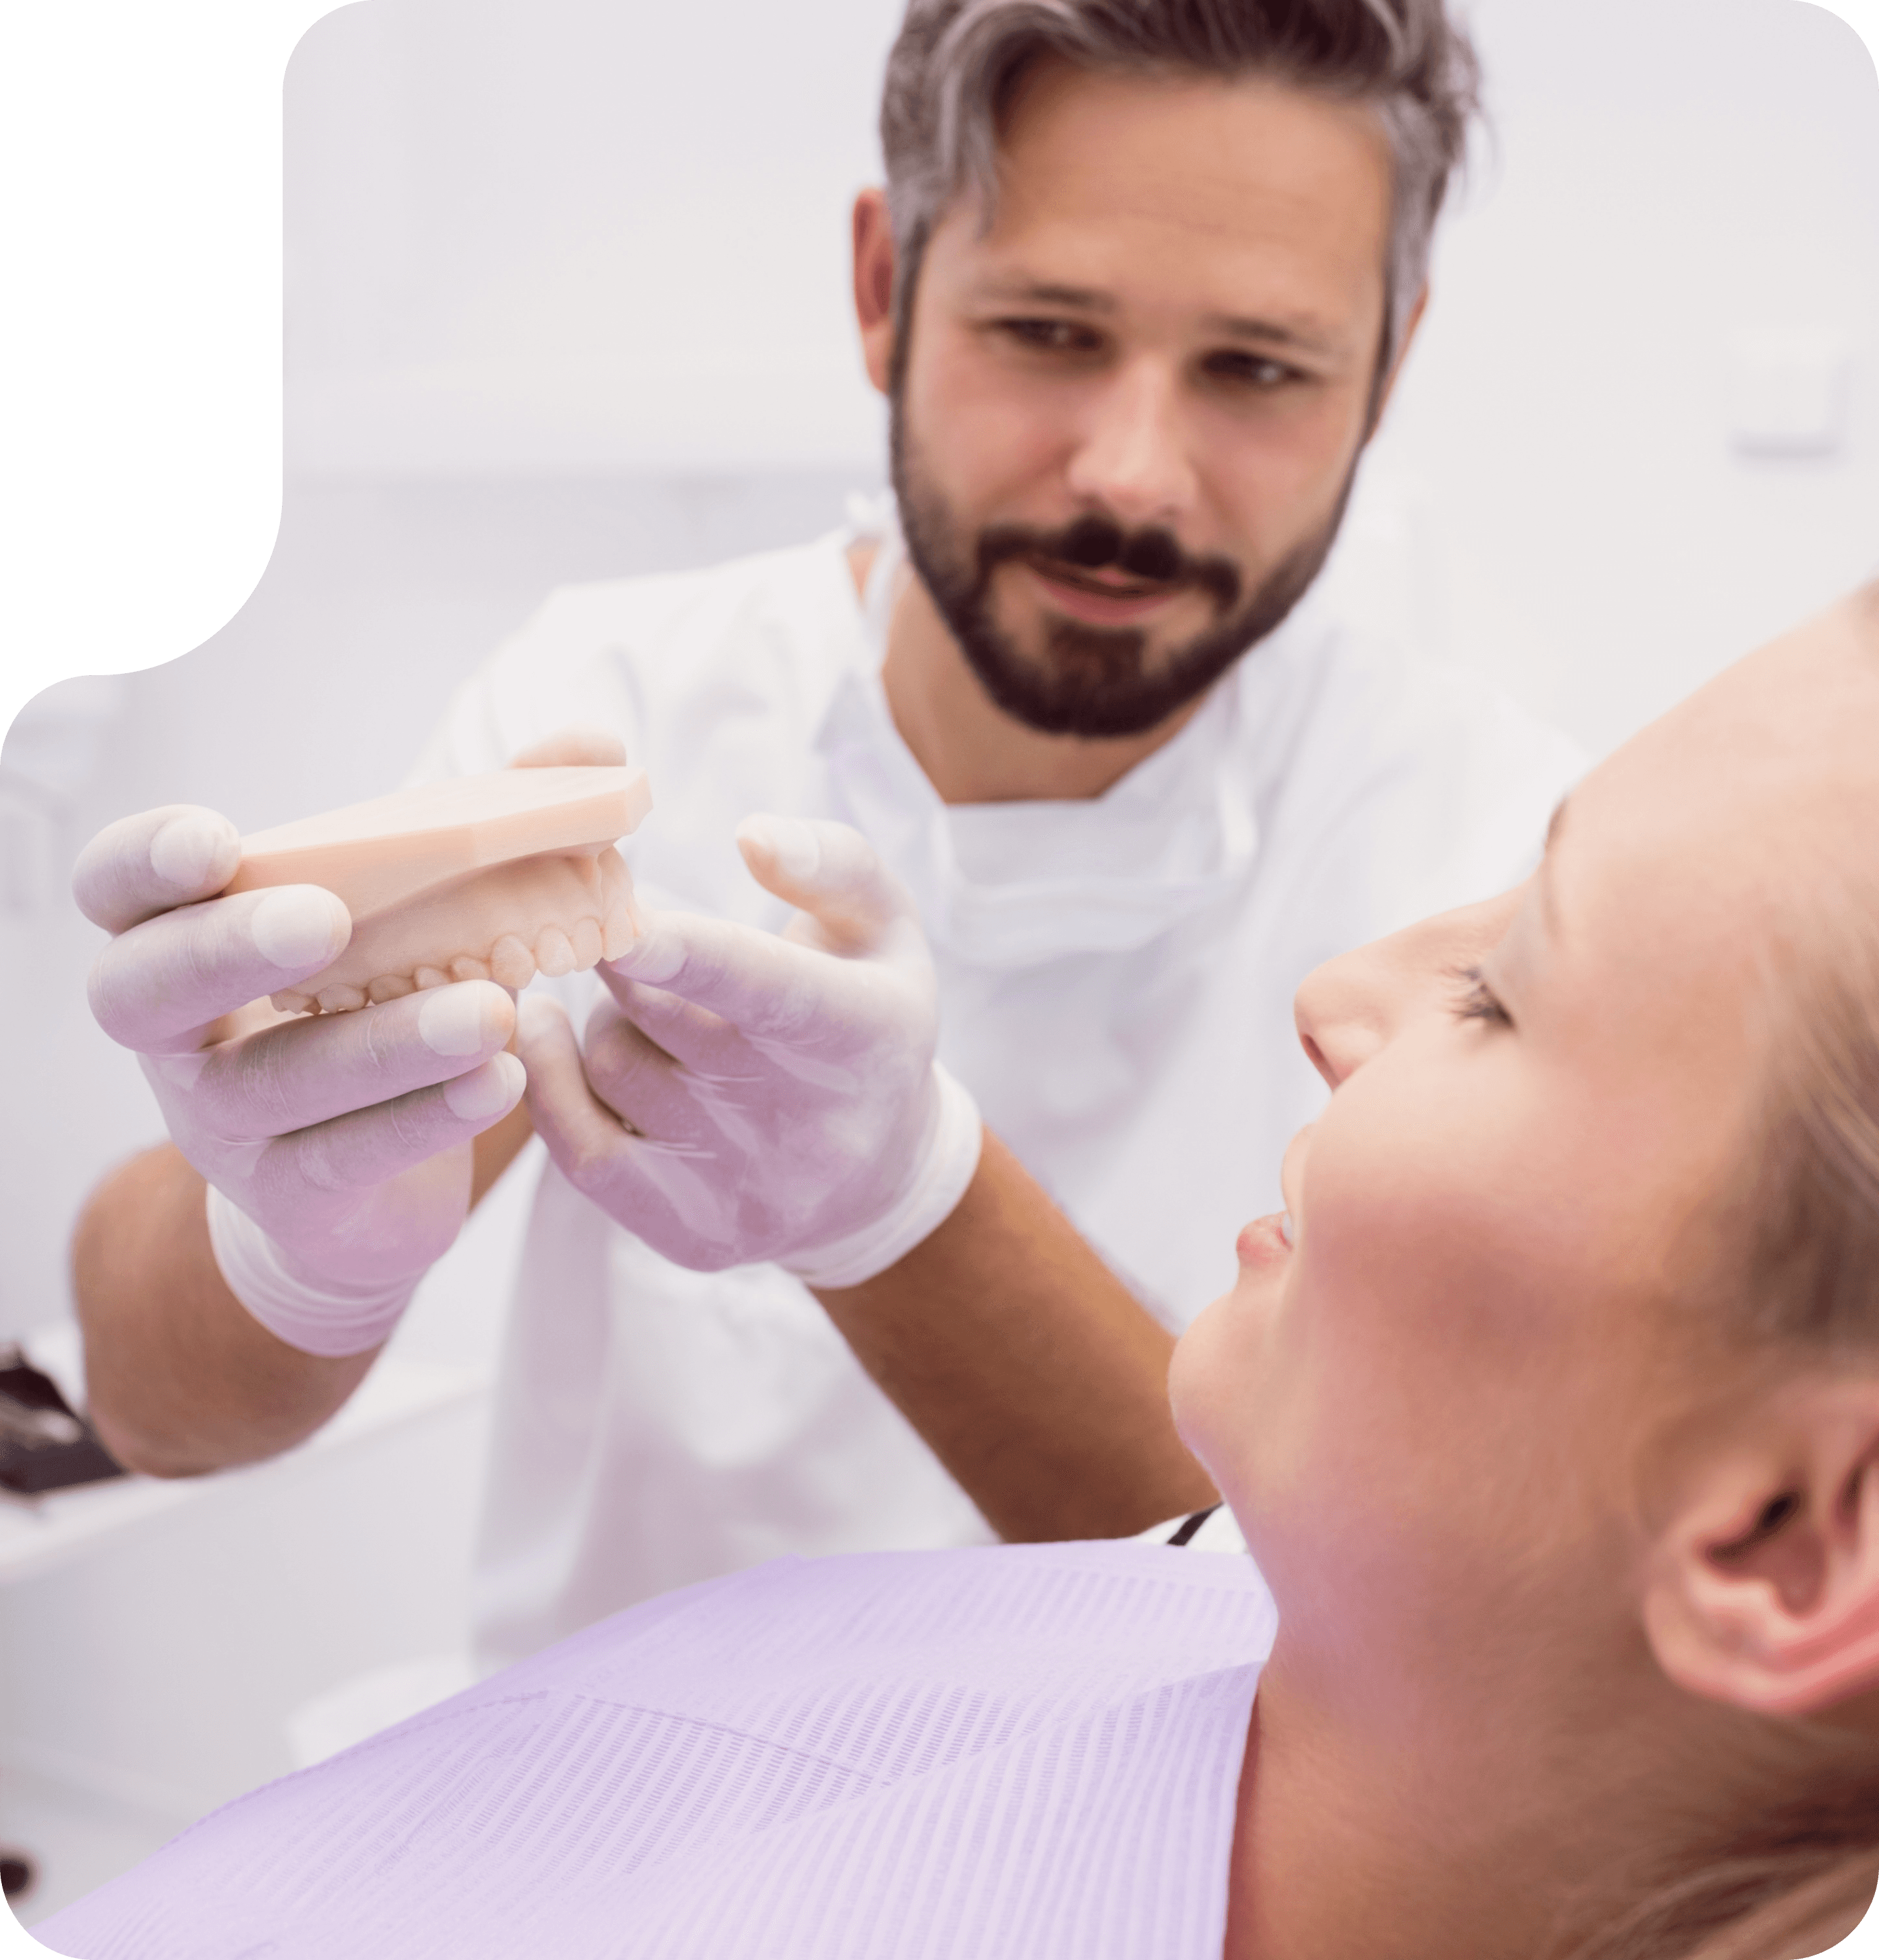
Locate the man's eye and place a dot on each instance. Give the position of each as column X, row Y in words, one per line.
column 1249, row 371
column 1049, row 336
column 1475, row 1001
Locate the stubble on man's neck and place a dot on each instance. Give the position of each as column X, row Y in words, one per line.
column 969, row 749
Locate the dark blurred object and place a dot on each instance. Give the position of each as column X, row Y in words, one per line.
column 17, row 1874
column 44, row 1444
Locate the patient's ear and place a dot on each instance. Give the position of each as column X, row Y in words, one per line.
column 1762, row 1589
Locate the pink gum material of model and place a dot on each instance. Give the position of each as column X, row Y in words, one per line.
column 496, row 877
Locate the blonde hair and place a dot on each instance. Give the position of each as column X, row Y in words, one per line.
column 1808, row 1295
column 1779, row 1900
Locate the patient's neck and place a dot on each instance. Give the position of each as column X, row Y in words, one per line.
column 1514, row 1822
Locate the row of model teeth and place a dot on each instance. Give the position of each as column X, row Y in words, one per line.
column 510, row 963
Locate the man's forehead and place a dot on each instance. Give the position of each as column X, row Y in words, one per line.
column 1138, row 195
column 1223, row 151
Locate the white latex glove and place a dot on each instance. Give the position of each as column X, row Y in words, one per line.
column 745, row 1097
column 337, row 1148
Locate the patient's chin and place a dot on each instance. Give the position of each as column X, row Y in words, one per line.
column 1202, row 1373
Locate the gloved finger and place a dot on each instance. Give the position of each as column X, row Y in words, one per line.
column 671, row 1192
column 399, row 1226
column 650, row 1092
column 369, row 1146
column 580, row 746
column 689, row 1034
column 831, row 872
column 761, row 984
column 157, row 987
column 581, row 1133
column 299, row 1073
column 153, row 862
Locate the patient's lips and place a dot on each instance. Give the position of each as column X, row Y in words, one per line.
column 1266, row 1241
column 1269, row 1241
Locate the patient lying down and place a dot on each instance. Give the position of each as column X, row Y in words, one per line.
column 1551, row 1418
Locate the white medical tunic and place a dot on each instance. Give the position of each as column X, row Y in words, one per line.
column 1115, row 983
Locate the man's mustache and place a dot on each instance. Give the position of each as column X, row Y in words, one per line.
column 1095, row 543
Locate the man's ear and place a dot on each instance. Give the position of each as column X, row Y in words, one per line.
column 874, row 285
column 1763, row 1589
column 1389, row 384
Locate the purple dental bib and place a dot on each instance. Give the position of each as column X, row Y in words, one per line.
column 987, row 1755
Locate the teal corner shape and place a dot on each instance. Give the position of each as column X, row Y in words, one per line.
column 140, row 341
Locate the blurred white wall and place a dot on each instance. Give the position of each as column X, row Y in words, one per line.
column 567, row 298
column 593, row 239
column 1674, row 175
column 564, row 235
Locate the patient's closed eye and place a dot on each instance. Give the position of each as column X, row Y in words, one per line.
column 1476, row 1000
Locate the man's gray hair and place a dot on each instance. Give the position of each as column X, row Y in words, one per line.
column 954, row 68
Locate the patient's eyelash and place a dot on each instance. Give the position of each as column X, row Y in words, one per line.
column 1477, row 1001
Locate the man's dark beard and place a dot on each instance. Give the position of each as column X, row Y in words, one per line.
column 1091, row 681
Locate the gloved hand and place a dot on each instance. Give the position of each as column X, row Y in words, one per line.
column 745, row 1097
column 336, row 1148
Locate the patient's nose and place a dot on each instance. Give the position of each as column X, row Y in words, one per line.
column 1342, row 1016
column 1351, row 1007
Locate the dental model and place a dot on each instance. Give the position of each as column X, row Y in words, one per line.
column 497, row 878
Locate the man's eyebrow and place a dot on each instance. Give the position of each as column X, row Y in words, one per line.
column 1046, row 292
column 1556, row 823
column 1306, row 336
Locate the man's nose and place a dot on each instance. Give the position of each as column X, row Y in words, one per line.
column 1132, row 460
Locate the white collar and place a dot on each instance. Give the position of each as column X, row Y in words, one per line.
column 1013, row 884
